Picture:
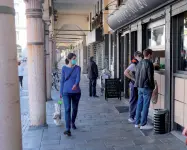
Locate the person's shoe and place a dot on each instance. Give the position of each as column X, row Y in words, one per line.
column 96, row 96
column 137, row 126
column 146, row 127
column 131, row 120
column 74, row 127
column 68, row 133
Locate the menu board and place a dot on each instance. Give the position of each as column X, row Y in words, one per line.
column 112, row 88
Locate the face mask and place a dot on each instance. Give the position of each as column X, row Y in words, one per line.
column 73, row 62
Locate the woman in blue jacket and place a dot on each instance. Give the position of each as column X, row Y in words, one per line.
column 70, row 91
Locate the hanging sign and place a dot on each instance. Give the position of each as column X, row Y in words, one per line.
column 131, row 10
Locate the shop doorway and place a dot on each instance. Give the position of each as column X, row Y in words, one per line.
column 126, row 63
column 121, row 61
column 133, row 43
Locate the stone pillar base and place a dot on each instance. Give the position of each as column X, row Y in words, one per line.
column 38, row 127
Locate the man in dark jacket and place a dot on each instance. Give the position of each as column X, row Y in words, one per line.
column 144, row 80
column 92, row 75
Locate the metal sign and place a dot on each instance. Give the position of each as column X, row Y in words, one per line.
column 131, row 10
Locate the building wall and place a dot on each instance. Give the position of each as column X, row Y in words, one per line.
column 172, row 82
column 20, row 20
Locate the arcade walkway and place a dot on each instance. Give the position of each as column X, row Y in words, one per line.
column 100, row 127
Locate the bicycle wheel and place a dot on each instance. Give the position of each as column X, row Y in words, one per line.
column 57, row 85
column 53, row 84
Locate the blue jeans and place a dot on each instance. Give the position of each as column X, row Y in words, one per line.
column 71, row 99
column 133, row 100
column 144, row 98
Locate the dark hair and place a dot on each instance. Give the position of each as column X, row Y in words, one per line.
column 91, row 58
column 70, row 56
column 66, row 61
column 138, row 53
column 147, row 52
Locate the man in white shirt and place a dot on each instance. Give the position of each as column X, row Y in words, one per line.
column 130, row 74
column 20, row 74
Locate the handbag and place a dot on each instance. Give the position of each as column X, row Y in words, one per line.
column 154, row 97
column 70, row 74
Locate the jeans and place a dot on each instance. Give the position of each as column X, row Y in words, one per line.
column 21, row 80
column 133, row 100
column 144, row 98
column 71, row 99
column 92, row 87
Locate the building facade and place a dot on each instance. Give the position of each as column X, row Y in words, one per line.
column 162, row 26
column 20, row 23
column 136, row 25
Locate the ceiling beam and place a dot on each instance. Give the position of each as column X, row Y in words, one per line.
column 73, row 34
column 68, row 38
column 70, row 30
column 68, row 14
column 66, row 42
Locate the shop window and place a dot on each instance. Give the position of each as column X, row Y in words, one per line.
column 183, row 50
column 180, row 41
column 156, row 38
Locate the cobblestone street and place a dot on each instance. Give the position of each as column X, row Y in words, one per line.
column 100, row 127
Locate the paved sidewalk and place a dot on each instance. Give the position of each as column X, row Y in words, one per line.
column 100, row 127
column 24, row 101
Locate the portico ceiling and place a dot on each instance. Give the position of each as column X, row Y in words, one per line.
column 75, row 6
column 69, row 34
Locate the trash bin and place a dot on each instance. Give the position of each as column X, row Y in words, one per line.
column 161, row 121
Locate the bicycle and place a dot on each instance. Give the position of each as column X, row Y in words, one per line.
column 56, row 80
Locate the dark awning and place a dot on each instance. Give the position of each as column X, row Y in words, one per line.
column 131, row 10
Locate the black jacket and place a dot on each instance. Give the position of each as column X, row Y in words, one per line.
column 92, row 70
column 145, row 75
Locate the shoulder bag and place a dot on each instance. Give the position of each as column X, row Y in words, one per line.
column 70, row 74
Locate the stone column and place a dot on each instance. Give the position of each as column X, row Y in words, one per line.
column 10, row 126
column 51, row 54
column 54, row 54
column 48, row 64
column 84, row 56
column 36, row 63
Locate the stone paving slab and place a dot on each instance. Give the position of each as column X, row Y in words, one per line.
column 100, row 127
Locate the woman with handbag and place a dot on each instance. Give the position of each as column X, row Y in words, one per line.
column 70, row 91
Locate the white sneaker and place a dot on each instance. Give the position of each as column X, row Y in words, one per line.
column 146, row 127
column 131, row 120
column 137, row 126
